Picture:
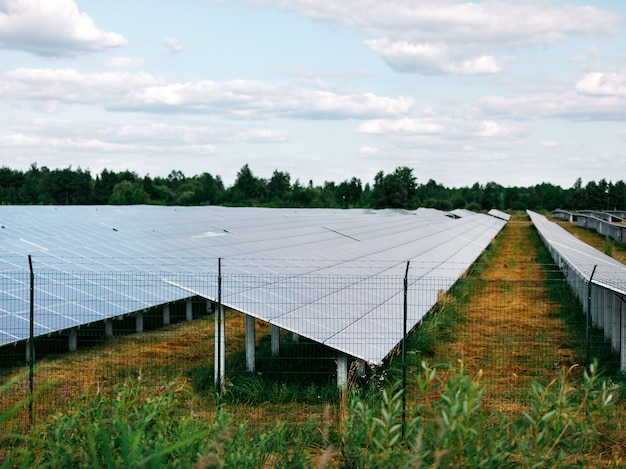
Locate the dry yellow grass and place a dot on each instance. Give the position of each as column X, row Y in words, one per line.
column 511, row 327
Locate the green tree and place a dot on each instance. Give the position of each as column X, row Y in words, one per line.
column 106, row 181
column 493, row 196
column 348, row 193
column 395, row 190
column 211, row 189
column 247, row 189
column 128, row 193
column 617, row 195
column 67, row 187
column 278, row 188
column 10, row 183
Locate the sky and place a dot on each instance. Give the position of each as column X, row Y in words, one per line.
column 514, row 92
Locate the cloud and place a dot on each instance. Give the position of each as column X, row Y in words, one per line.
column 430, row 59
column 568, row 105
column 457, row 37
column 368, row 151
column 52, row 28
column 138, row 146
column 240, row 99
column 148, row 133
column 603, row 84
column 173, row 45
column 450, row 128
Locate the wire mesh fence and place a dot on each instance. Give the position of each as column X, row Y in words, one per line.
column 286, row 339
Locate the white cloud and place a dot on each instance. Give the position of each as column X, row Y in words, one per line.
column 603, row 84
column 401, row 126
column 52, row 28
column 549, row 144
column 239, row 99
column 595, row 100
column 143, row 147
column 430, row 59
column 457, row 37
column 173, row 45
column 367, row 151
column 148, row 133
column 442, row 127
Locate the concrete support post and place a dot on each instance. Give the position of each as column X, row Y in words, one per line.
column 220, row 348
column 73, row 346
column 188, row 309
column 275, row 340
column 250, row 344
column 139, row 322
column 108, row 327
column 167, row 320
column 622, row 341
column 615, row 322
column 342, row 371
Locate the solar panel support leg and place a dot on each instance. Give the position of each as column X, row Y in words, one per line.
column 342, row 371
column 166, row 315
column 250, row 344
column 220, row 348
column 275, row 340
column 188, row 309
column 622, row 340
column 73, row 340
column 139, row 322
column 108, row 327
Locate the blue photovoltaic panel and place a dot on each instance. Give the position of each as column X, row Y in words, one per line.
column 278, row 262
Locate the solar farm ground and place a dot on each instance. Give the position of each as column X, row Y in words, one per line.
column 510, row 333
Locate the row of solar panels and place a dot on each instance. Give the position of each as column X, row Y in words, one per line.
column 570, row 253
column 96, row 262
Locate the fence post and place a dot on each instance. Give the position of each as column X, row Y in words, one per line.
column 31, row 341
column 218, row 378
column 405, row 312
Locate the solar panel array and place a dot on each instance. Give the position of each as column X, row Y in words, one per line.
column 598, row 280
column 166, row 253
column 572, row 254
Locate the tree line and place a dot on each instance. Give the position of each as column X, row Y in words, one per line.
column 398, row 189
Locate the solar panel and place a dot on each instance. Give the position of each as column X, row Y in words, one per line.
column 570, row 251
column 281, row 258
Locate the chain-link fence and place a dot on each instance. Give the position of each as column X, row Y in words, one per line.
column 514, row 331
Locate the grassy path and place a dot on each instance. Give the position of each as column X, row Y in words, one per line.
column 512, row 331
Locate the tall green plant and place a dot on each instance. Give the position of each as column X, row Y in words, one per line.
column 449, row 428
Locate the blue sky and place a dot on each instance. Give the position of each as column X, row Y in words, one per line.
column 516, row 92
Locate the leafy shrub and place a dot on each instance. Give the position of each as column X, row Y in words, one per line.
column 445, row 426
column 449, row 428
column 131, row 427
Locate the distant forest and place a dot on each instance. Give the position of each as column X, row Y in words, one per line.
column 399, row 189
